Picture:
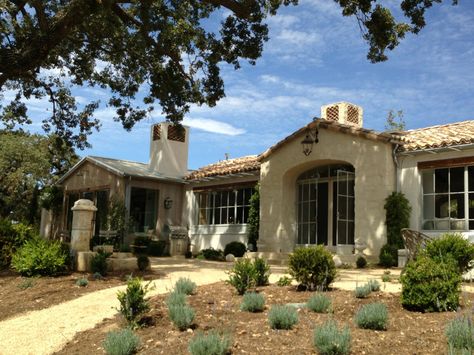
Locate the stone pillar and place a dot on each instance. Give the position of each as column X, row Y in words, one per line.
column 83, row 214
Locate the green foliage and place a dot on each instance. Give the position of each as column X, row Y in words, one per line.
column 133, row 304
column 452, row 245
column 398, row 211
column 51, row 198
column 182, row 316
column 361, row 262
column 39, row 257
column 156, row 248
column 329, row 340
column 388, row 255
column 253, row 221
column 362, row 291
column 262, row 272
column 143, row 262
column 460, row 335
column 386, row 277
column 392, row 117
column 312, row 267
column 99, row 262
column 430, row 285
column 185, row 286
column 27, row 283
column 252, row 302
column 374, row 285
column 97, row 276
column 319, row 303
column 282, row 317
column 235, row 248
column 284, row 281
column 121, row 342
column 212, row 254
column 210, row 344
column 175, row 299
column 12, row 237
column 372, row 316
column 116, row 217
column 82, row 282
column 242, row 276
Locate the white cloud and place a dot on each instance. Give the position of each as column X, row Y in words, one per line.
column 213, row 126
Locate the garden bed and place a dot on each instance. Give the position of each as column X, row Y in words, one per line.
column 217, row 307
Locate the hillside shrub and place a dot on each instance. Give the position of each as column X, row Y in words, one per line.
column 460, row 335
column 121, row 342
column 319, row 303
column 12, row 237
column 284, row 281
column 361, row 262
column 182, row 316
column 39, row 257
column 242, row 276
column 209, row 344
column 282, row 317
column 133, row 304
column 156, row 248
column 452, row 245
column 372, row 316
column 430, row 285
column 252, row 302
column 262, row 272
column 329, row 340
column 99, row 262
column 185, row 286
column 312, row 267
column 235, row 248
column 388, row 256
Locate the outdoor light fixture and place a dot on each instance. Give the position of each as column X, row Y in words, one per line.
column 168, row 203
column 308, row 141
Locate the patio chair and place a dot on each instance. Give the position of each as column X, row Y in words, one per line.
column 414, row 241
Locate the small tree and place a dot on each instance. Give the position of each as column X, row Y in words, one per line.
column 254, row 217
column 398, row 211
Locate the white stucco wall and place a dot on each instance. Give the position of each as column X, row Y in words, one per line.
column 374, row 181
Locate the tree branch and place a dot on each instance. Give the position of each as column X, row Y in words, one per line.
column 236, row 7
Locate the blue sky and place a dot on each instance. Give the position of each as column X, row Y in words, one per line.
column 315, row 57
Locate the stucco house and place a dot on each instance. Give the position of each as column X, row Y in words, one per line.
column 326, row 184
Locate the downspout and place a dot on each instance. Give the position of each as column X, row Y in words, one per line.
column 397, row 166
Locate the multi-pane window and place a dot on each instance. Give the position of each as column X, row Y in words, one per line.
column 224, row 206
column 448, row 199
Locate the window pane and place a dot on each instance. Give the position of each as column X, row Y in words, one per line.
column 217, row 199
column 428, row 225
column 305, row 207
column 456, row 182
column 350, row 232
column 240, row 197
column 230, row 215
column 471, row 206
column 304, row 234
column 342, row 186
column 312, row 233
column 231, row 198
column 350, row 186
column 428, row 207
column 341, row 232
column 350, row 211
column 442, row 225
column 342, row 207
column 240, row 215
column 459, row 224
column 456, row 209
column 428, row 186
column 442, row 206
column 441, row 180
column 471, row 225
column 312, row 191
column 224, row 216
column 470, row 171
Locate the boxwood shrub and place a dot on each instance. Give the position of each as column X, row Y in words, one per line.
column 455, row 246
column 235, row 248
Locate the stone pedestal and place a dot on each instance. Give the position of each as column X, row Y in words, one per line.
column 402, row 257
column 82, row 227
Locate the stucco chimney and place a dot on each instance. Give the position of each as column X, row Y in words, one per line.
column 169, row 149
column 343, row 112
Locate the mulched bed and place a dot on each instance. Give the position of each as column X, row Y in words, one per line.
column 21, row 294
column 217, row 307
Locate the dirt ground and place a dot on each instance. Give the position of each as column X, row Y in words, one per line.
column 42, row 292
column 217, row 307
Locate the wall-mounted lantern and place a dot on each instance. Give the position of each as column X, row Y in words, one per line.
column 308, row 141
column 168, row 203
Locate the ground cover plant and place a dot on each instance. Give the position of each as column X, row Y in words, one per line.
column 362, row 291
column 460, row 335
column 319, row 303
column 372, row 316
column 282, row 317
column 185, row 286
column 329, row 340
column 209, row 344
column 181, row 315
column 121, row 342
column 252, row 302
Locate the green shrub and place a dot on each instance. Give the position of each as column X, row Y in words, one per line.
column 82, row 282
column 319, row 303
column 282, row 317
column 253, row 221
column 133, row 303
column 362, row 291
column 460, row 334
column 372, row 316
column 39, row 257
column 12, row 237
column 388, row 256
column 182, row 316
column 212, row 254
column 374, row 285
column 329, row 340
column 143, row 262
column 386, row 277
column 99, row 262
column 156, row 247
column 237, row 249
column 252, row 302
column 97, row 276
column 242, row 276
column 210, row 344
column 262, row 272
column 27, row 283
column 140, row 245
column 361, row 262
column 185, row 286
column 175, row 299
column 398, row 211
column 312, row 267
column 430, row 285
column 452, row 245
column 284, row 281
column 121, row 342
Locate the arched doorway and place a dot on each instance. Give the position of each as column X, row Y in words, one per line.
column 325, row 205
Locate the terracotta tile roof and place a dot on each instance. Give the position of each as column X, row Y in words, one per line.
column 457, row 133
column 226, row 167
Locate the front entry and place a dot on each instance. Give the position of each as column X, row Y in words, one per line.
column 326, row 206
